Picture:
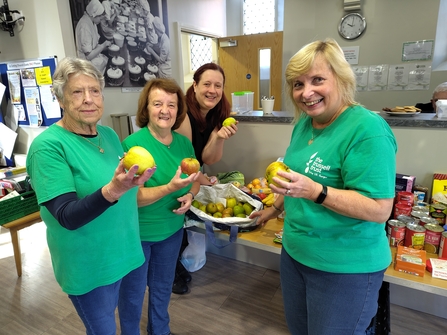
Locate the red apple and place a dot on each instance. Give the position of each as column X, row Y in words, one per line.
column 190, row 165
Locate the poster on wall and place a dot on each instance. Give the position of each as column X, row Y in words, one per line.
column 127, row 40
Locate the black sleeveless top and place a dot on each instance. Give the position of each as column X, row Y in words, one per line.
column 199, row 139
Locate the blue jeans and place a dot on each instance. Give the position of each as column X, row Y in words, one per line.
column 157, row 272
column 324, row 303
column 97, row 309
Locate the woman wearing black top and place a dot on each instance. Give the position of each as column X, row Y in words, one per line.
column 208, row 107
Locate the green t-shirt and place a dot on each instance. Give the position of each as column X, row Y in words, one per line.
column 105, row 249
column 357, row 151
column 157, row 221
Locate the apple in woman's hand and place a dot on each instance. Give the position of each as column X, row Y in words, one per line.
column 139, row 156
column 190, row 165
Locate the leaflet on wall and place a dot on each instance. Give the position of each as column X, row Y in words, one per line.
column 351, row 54
column 398, row 77
column 378, row 77
column 418, row 50
column 28, row 77
column 33, row 106
column 7, row 140
column 14, row 86
column 49, row 102
column 419, row 77
column 361, row 77
column 21, row 115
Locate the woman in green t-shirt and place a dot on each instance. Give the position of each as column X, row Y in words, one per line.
column 338, row 194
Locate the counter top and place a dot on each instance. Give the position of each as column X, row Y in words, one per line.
column 423, row 120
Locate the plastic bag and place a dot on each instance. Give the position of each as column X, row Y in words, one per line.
column 194, row 255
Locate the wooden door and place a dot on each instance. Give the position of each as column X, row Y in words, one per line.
column 241, row 65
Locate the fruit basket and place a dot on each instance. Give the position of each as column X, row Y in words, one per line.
column 17, row 207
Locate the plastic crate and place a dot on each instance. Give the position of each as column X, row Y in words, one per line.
column 242, row 102
column 20, row 206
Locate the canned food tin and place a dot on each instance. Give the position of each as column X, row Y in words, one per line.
column 428, row 220
column 443, row 246
column 395, row 232
column 433, row 234
column 414, row 236
column 424, row 209
column 402, row 208
column 406, row 219
column 439, row 212
column 417, row 215
column 404, row 196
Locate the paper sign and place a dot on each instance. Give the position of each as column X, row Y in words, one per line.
column 43, row 76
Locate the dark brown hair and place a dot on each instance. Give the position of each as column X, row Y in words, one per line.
column 167, row 85
column 219, row 113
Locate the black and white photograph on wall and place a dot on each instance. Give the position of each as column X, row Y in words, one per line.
column 127, row 40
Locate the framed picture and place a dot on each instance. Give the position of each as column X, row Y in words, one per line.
column 127, row 40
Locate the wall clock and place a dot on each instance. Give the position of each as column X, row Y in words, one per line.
column 351, row 26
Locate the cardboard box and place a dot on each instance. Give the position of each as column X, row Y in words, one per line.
column 405, row 182
column 409, row 260
column 439, row 268
column 439, row 189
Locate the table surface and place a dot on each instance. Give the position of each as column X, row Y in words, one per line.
column 263, row 238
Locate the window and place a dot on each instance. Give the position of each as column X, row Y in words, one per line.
column 201, row 51
column 258, row 16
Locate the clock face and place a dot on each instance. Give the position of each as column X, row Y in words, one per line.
column 352, row 26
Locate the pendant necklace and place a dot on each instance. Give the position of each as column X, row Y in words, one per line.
column 153, row 135
column 101, row 150
column 314, row 137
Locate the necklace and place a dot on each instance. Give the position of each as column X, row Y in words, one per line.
column 313, row 136
column 101, row 150
column 155, row 135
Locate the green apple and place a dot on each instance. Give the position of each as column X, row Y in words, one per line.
column 231, row 202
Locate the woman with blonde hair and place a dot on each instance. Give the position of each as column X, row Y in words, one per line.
column 337, row 196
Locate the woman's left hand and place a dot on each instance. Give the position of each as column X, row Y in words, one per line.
column 297, row 185
column 228, row 131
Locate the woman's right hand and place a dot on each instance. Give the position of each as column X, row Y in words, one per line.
column 264, row 215
column 123, row 181
column 177, row 182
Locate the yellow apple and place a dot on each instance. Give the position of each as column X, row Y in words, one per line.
column 229, row 121
column 211, row 208
column 139, row 156
column 220, row 207
column 272, row 171
column 231, row 202
column 248, row 208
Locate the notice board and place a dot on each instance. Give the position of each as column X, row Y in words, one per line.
column 29, row 90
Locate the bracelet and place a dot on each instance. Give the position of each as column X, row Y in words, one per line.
column 279, row 210
column 322, row 195
column 191, row 194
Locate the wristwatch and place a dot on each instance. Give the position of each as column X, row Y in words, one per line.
column 322, row 196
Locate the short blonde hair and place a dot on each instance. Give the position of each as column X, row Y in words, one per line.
column 303, row 60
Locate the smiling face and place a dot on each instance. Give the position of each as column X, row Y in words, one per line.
column 317, row 94
column 209, row 90
column 82, row 103
column 162, row 109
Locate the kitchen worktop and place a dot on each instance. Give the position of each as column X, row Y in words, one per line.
column 423, row 120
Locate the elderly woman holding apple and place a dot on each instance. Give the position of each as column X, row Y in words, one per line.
column 337, row 188
column 87, row 199
column 163, row 202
